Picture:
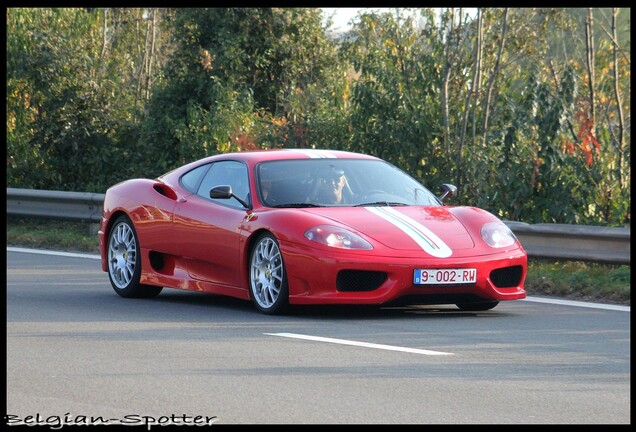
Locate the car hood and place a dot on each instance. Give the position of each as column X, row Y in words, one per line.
column 435, row 230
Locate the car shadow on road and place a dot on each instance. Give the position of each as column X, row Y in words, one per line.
column 223, row 304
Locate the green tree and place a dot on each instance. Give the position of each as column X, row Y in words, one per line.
column 238, row 77
column 507, row 117
column 73, row 82
column 50, row 61
column 396, row 109
column 526, row 110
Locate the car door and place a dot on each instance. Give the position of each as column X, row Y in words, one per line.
column 208, row 230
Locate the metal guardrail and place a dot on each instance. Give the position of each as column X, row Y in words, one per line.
column 574, row 242
column 560, row 241
column 79, row 206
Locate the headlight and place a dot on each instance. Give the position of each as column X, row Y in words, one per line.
column 497, row 234
column 337, row 237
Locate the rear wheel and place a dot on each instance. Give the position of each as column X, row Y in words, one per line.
column 268, row 278
column 478, row 306
column 124, row 261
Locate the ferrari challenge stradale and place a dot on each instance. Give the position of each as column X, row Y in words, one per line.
column 299, row 227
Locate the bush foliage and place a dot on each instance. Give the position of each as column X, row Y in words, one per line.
column 526, row 110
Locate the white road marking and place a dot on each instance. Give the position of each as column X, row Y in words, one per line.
column 50, row 252
column 361, row 344
column 578, row 303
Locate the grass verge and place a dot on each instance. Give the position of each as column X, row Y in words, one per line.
column 565, row 279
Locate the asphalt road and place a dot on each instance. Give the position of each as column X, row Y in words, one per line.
column 78, row 353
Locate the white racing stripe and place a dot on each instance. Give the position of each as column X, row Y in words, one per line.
column 316, row 154
column 424, row 237
column 360, row 344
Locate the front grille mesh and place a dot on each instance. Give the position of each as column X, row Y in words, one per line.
column 507, row 277
column 359, row 280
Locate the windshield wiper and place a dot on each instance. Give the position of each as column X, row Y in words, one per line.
column 381, row 203
column 296, row 205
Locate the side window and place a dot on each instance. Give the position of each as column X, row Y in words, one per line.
column 230, row 173
column 190, row 180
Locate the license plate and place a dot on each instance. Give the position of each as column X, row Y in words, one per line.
column 444, row 276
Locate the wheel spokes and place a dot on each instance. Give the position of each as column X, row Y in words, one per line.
column 122, row 255
column 266, row 273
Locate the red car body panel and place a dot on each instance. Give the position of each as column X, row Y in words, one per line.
column 205, row 246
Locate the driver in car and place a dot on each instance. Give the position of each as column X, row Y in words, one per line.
column 331, row 187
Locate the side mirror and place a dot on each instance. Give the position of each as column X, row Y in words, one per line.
column 448, row 190
column 221, row 192
column 225, row 192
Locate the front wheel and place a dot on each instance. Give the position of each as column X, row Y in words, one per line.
column 268, row 278
column 124, row 261
column 477, row 306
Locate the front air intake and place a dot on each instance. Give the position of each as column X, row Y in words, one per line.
column 359, row 280
column 507, row 277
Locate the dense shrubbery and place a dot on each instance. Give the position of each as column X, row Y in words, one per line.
column 498, row 103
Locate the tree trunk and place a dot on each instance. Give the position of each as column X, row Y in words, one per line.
column 104, row 38
column 619, row 104
column 589, row 45
column 477, row 90
column 448, row 62
column 495, row 72
column 152, row 53
column 469, row 96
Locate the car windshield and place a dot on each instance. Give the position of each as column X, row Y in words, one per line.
column 338, row 182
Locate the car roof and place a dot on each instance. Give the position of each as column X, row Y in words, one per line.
column 252, row 157
column 292, row 153
column 255, row 156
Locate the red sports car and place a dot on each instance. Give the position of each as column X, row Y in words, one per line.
column 288, row 226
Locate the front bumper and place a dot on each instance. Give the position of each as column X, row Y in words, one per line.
column 315, row 279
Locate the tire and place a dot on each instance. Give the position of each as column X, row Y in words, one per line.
column 124, row 261
column 268, row 277
column 476, row 307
